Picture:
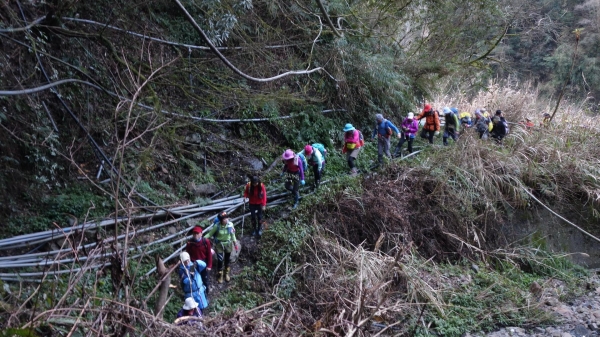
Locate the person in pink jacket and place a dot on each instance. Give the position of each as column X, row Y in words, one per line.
column 410, row 127
column 353, row 142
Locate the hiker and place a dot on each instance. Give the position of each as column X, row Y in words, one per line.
column 500, row 128
column 293, row 165
column 189, row 315
column 256, row 193
column 315, row 157
column 451, row 127
column 481, row 125
column 546, row 123
column 432, row 123
column 224, row 241
column 190, row 308
column 465, row 119
column 409, row 127
column 528, row 123
column 191, row 281
column 353, row 143
column 383, row 131
column 199, row 248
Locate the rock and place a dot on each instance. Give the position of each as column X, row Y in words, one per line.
column 580, row 331
column 194, row 138
column 540, row 330
column 203, row 189
column 596, row 313
column 254, row 163
column 566, row 334
column 563, row 310
column 172, row 230
column 475, row 268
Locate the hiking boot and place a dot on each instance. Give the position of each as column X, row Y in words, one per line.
column 295, row 205
column 353, row 172
column 220, row 276
column 227, row 277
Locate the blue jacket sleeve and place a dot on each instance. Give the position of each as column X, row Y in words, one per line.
column 200, row 265
column 393, row 127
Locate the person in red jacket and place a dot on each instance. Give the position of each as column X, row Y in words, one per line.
column 432, row 123
column 199, row 249
column 256, row 193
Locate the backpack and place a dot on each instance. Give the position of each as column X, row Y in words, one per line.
column 482, row 125
column 361, row 139
column 321, row 149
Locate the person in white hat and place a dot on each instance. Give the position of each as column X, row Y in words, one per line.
column 191, row 280
column 410, row 127
column 190, row 308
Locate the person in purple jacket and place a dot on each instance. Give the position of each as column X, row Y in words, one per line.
column 410, row 127
column 295, row 174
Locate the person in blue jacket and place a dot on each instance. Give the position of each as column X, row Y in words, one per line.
column 191, row 281
column 383, row 131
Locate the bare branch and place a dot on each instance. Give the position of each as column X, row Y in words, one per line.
column 20, row 29
column 230, row 65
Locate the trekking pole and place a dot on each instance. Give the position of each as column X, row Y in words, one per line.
column 243, row 217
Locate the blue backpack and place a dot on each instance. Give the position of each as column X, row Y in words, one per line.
column 321, row 149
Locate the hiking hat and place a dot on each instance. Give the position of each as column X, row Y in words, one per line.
column 288, row 154
column 498, row 112
column 308, row 150
column 189, row 304
column 528, row 118
column 379, row 117
column 222, row 215
column 197, row 229
column 447, row 110
column 546, row 114
column 410, row 115
column 348, row 127
column 427, row 108
column 184, row 256
column 455, row 110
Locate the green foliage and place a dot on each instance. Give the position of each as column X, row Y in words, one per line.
column 500, row 296
column 75, row 201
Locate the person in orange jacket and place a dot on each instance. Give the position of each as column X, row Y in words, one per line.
column 432, row 123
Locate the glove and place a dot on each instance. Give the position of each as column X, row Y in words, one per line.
column 235, row 246
column 264, row 208
column 437, row 133
column 302, row 182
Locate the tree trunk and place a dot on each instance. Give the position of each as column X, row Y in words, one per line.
column 164, row 287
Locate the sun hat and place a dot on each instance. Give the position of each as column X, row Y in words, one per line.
column 288, row 154
column 184, row 256
column 189, row 304
column 410, row 115
column 308, row 150
column 348, row 127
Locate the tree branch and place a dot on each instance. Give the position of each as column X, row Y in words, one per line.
column 20, row 29
column 44, row 87
column 230, row 65
column 329, row 22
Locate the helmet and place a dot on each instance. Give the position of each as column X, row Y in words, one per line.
column 184, row 256
column 348, row 127
column 427, row 107
column 308, row 150
column 288, row 154
column 410, row 115
column 222, row 215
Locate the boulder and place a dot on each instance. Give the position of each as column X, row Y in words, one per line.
column 204, row 189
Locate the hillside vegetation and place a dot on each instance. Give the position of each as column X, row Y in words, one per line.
column 160, row 108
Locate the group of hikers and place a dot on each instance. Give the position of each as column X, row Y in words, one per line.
column 485, row 125
column 219, row 240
